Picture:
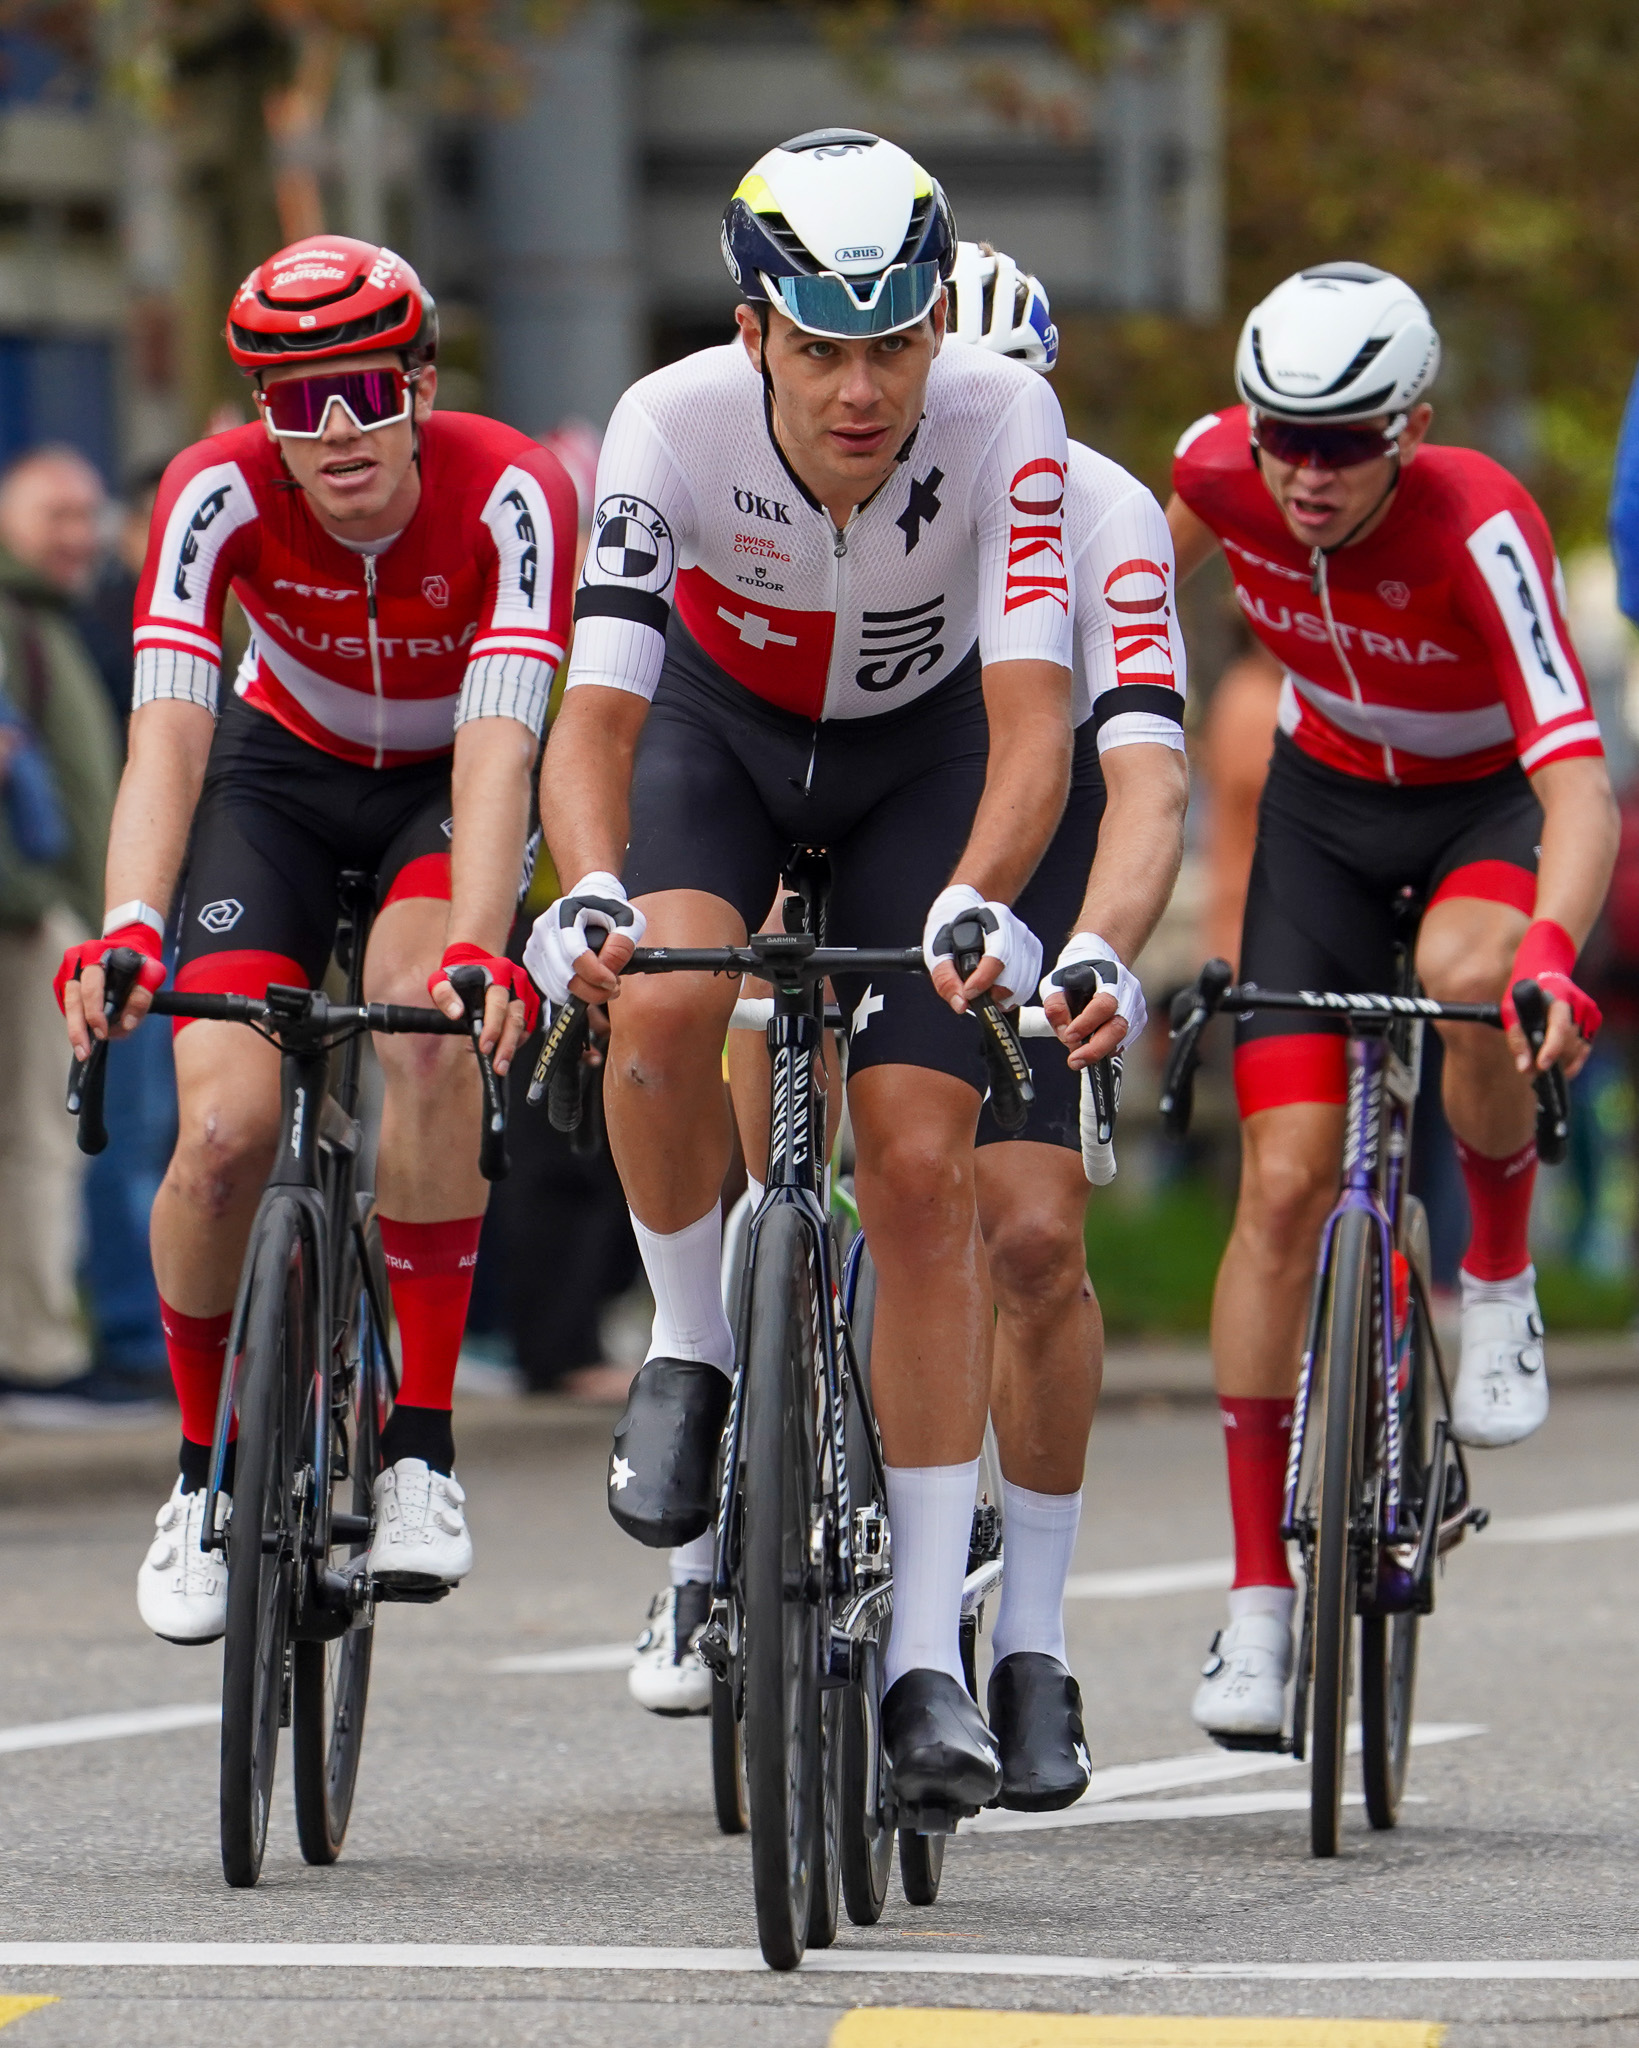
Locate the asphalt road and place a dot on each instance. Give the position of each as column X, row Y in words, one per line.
column 542, row 1810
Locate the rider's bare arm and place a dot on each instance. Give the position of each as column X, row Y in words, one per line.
column 147, row 841
column 1026, row 779
column 1192, row 539
column 1579, row 835
column 586, row 783
column 1140, row 848
column 489, row 801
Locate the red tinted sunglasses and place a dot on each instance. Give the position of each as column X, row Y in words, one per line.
column 1308, row 445
column 299, row 406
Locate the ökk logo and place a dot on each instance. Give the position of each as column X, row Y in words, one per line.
column 222, row 915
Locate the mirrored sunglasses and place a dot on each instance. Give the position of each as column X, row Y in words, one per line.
column 1308, row 444
column 831, row 305
column 298, row 407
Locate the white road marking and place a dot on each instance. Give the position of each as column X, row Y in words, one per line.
column 1148, row 1580
column 1574, row 1525
column 836, row 1962
column 590, row 1657
column 1207, row 1806
column 1126, row 1782
column 106, row 1727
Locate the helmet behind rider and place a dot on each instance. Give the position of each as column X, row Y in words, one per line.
column 845, row 233
column 994, row 304
column 1343, row 341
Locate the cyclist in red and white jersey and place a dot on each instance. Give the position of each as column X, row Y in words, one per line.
column 826, row 602
column 1435, row 735
column 407, row 579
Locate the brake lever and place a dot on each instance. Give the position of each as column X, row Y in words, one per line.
column 471, row 986
column 88, row 1078
column 1011, row 1089
column 1192, row 1009
column 557, row 1071
column 1553, row 1100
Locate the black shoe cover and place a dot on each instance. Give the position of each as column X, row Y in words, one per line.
column 662, row 1471
column 939, row 1751
column 1035, row 1716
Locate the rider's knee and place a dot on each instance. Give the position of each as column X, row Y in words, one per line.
column 1284, row 1195
column 915, row 1188
column 223, row 1148
column 1471, row 977
column 420, row 1062
column 659, row 1035
column 1038, row 1260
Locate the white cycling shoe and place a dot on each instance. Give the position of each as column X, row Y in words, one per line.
column 421, row 1534
column 1501, row 1393
column 182, row 1591
column 1242, row 1693
column 667, row 1675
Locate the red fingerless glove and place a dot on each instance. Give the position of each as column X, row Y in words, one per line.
column 1546, row 955
column 92, row 952
column 506, row 973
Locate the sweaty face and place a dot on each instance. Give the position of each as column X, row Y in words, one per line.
column 1321, row 506
column 843, row 409
column 352, row 477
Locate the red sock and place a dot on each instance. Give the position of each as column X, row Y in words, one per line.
column 196, row 1346
column 1257, row 1433
column 430, row 1268
column 1499, row 1198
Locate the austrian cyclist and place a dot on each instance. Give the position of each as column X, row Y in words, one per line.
column 1435, row 734
column 1124, row 822
column 826, row 602
column 407, row 578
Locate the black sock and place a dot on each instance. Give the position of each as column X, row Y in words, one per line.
column 195, row 1466
column 424, row 1433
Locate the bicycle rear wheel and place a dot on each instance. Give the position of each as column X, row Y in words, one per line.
column 782, row 1647
column 277, row 1367
column 728, row 1762
column 331, row 1679
column 1388, row 1642
column 865, row 1841
column 1347, row 1333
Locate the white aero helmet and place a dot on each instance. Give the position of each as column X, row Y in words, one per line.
column 996, row 305
column 842, row 231
column 1343, row 341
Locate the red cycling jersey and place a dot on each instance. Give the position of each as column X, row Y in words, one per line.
column 1436, row 649
column 374, row 657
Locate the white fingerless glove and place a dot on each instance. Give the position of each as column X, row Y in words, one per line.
column 596, row 903
column 1006, row 938
column 1088, row 949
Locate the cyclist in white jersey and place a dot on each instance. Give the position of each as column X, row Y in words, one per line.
column 1124, row 823
column 833, row 558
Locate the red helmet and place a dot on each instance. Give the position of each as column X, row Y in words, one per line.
column 331, row 296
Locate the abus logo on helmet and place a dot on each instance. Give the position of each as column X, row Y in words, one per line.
column 868, row 252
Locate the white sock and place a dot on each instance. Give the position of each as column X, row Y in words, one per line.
column 930, row 1512
column 692, row 1563
column 1279, row 1600
column 685, row 1277
column 756, row 1189
column 1519, row 1289
column 1038, row 1540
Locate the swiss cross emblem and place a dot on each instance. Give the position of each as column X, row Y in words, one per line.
column 435, row 590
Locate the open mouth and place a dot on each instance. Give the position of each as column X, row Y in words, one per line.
column 349, row 468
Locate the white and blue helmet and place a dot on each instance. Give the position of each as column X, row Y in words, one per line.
column 1341, row 341
column 994, row 304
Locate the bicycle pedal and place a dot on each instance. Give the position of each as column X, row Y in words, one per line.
column 712, row 1647
column 408, row 1592
column 928, row 1819
column 1269, row 1744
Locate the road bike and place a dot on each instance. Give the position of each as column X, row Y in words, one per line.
column 1377, row 1488
column 308, row 1389
column 802, row 1584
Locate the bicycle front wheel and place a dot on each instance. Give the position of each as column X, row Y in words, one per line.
column 865, row 1840
column 1388, row 1642
column 275, row 1369
column 1348, row 1330
column 778, row 1475
column 332, row 1678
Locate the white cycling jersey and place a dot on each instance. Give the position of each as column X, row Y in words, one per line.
column 1130, row 664
column 701, row 526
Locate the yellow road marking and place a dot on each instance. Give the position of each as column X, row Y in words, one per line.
column 917, row 2027
column 13, row 2008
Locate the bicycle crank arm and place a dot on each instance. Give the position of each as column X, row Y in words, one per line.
column 978, row 1586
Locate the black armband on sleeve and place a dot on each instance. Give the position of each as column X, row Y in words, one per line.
column 609, row 601
column 1159, row 699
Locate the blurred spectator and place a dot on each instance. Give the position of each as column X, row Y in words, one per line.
column 1237, row 734
column 104, row 618
column 51, row 507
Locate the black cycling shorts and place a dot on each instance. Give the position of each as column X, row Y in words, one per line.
column 278, row 820
column 725, row 784
column 1333, row 854
column 1049, row 904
